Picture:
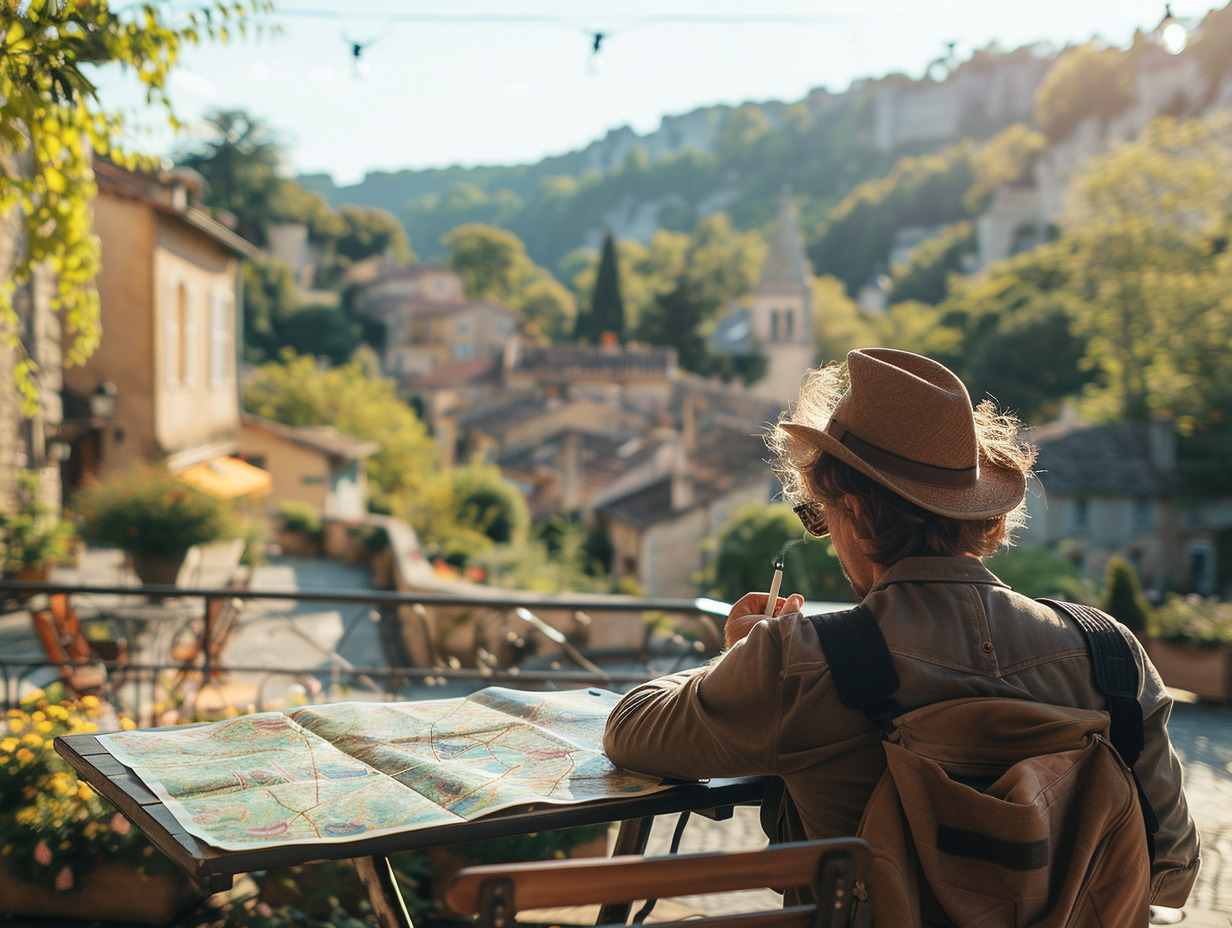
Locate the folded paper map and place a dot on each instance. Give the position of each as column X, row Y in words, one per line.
column 353, row 770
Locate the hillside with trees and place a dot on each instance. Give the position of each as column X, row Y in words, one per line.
column 1115, row 302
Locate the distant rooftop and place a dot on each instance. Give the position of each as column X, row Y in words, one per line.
column 1113, row 459
column 620, row 362
column 323, row 438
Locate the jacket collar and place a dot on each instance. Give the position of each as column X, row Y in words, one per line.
column 937, row 570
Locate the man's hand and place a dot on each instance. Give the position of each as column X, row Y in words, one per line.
column 751, row 609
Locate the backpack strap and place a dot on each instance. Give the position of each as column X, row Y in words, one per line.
column 860, row 663
column 1116, row 675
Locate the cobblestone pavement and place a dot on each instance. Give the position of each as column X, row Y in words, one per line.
column 1202, row 735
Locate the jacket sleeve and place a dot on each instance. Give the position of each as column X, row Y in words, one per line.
column 1177, row 846
column 719, row 720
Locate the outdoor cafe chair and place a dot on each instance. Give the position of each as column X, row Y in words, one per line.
column 82, row 667
column 496, row 892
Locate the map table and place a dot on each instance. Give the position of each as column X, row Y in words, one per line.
column 186, row 788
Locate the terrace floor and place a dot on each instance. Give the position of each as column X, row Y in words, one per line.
column 1201, row 732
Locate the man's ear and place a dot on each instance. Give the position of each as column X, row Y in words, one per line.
column 851, row 504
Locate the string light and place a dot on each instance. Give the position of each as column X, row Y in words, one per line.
column 596, row 53
column 1172, row 33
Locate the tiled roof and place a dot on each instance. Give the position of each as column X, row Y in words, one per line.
column 578, row 361
column 323, row 438
column 154, row 191
column 457, row 373
column 645, row 507
column 601, row 458
column 723, row 461
column 1114, row 459
column 499, row 420
column 419, row 306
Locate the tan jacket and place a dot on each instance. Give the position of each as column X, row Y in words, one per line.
column 768, row 706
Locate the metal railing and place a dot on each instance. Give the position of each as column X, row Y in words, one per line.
column 135, row 683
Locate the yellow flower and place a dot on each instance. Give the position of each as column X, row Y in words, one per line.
column 37, row 716
column 32, row 740
column 89, row 702
column 25, row 755
column 16, row 724
column 127, row 724
column 44, row 727
column 9, row 745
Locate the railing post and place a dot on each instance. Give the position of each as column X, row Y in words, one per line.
column 205, row 642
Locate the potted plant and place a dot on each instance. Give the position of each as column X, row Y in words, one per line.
column 155, row 519
column 64, row 851
column 33, row 538
column 1189, row 645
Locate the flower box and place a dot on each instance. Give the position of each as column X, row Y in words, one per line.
column 1204, row 671
column 110, row 891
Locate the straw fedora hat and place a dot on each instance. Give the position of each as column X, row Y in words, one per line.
column 906, row 421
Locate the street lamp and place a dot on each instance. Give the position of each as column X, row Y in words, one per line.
column 103, row 400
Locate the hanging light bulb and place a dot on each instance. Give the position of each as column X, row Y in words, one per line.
column 595, row 64
column 1172, row 33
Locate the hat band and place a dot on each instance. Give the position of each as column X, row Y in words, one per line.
column 957, row 478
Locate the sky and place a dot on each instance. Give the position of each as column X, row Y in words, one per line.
column 469, row 82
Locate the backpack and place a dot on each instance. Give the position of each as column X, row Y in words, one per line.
column 997, row 812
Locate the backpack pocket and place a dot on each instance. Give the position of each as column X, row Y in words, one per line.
column 1051, row 832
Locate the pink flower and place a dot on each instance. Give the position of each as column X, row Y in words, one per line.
column 42, row 853
column 64, row 880
column 119, row 824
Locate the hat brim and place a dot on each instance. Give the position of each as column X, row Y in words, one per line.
column 996, row 490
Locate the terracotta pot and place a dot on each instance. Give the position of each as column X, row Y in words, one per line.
column 158, row 569
column 1205, row 672
column 35, row 573
column 109, row 892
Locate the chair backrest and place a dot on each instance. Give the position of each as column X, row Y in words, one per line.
column 65, row 644
column 830, row 868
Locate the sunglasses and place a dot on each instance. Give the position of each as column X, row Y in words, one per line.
column 813, row 515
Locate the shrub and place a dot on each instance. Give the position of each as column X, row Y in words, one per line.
column 303, row 518
column 1038, row 572
column 1193, row 620
column 153, row 513
column 32, row 535
column 747, row 546
column 1123, row 599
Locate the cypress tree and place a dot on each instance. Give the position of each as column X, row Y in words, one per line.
column 1123, row 599
column 607, row 307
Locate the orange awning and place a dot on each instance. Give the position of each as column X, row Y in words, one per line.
column 228, row 478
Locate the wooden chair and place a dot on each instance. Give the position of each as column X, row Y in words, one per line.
column 830, row 868
column 65, row 644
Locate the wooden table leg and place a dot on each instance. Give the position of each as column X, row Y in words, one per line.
column 377, row 875
column 631, row 839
